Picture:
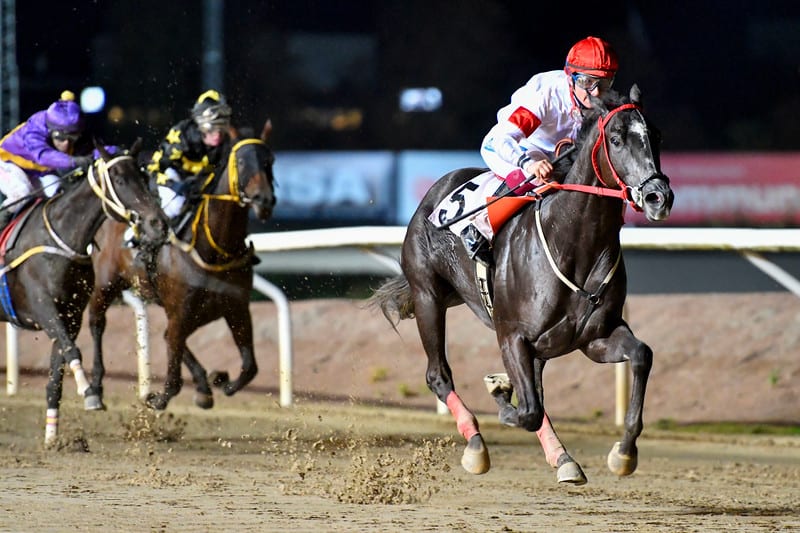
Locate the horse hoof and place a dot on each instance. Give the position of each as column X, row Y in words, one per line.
column 218, row 378
column 93, row 402
column 571, row 473
column 156, row 401
column 619, row 464
column 476, row 457
column 203, row 400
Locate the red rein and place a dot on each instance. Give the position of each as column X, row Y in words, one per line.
column 602, row 141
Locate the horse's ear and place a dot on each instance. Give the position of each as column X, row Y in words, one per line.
column 136, row 147
column 102, row 150
column 636, row 95
column 267, row 131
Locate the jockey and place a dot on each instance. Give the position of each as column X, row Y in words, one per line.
column 547, row 109
column 193, row 146
column 32, row 155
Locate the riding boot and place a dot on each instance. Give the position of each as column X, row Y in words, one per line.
column 477, row 246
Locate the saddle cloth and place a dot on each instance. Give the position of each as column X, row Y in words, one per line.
column 475, row 193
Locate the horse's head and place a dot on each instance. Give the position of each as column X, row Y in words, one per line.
column 249, row 173
column 632, row 160
column 122, row 187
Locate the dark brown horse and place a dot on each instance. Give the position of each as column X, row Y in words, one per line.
column 205, row 274
column 559, row 281
column 48, row 275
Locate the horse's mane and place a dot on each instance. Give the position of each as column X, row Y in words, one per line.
column 611, row 99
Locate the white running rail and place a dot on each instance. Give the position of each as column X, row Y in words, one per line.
column 749, row 242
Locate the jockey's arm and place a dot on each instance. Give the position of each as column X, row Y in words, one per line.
column 507, row 141
column 44, row 154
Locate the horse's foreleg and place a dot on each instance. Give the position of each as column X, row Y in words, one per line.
column 54, row 391
column 98, row 306
column 203, row 396
column 241, row 326
column 175, row 339
column 622, row 345
column 499, row 386
column 431, row 325
column 518, row 359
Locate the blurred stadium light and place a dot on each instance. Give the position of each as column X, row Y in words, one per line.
column 424, row 99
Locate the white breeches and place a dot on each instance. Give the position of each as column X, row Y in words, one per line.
column 50, row 184
column 171, row 202
column 15, row 184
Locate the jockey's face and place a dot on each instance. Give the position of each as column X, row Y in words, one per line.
column 63, row 142
column 213, row 138
column 583, row 85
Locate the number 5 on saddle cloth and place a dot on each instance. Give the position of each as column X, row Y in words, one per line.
column 482, row 190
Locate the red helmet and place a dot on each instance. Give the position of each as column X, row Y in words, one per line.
column 592, row 56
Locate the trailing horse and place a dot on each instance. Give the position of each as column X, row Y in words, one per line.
column 47, row 275
column 204, row 274
column 559, row 281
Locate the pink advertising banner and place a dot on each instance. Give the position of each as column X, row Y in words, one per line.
column 732, row 189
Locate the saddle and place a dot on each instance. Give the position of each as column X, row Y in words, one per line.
column 10, row 233
column 8, row 237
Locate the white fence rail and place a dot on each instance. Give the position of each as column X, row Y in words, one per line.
column 750, row 243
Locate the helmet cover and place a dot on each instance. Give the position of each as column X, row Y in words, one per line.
column 211, row 111
column 64, row 115
column 592, row 56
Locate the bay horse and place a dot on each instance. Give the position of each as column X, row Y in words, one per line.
column 47, row 276
column 205, row 273
column 559, row 281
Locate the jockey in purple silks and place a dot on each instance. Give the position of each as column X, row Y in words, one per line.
column 33, row 154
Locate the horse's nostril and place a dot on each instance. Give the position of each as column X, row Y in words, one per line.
column 654, row 198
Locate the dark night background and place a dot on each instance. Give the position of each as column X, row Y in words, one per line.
column 716, row 75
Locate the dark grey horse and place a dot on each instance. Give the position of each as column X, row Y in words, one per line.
column 559, row 281
column 48, row 270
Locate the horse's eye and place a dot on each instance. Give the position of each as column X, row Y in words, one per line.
column 616, row 140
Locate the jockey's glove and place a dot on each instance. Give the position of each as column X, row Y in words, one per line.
column 82, row 160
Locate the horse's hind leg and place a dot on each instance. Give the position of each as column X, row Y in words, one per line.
column 622, row 345
column 241, row 326
column 430, row 315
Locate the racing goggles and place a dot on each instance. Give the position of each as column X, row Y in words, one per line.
column 61, row 136
column 590, row 83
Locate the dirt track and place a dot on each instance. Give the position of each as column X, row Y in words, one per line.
column 248, row 465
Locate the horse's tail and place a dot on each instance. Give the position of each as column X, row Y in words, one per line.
column 394, row 299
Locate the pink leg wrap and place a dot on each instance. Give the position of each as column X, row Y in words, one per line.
column 465, row 421
column 550, row 444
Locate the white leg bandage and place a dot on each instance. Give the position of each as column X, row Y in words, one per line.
column 80, row 376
